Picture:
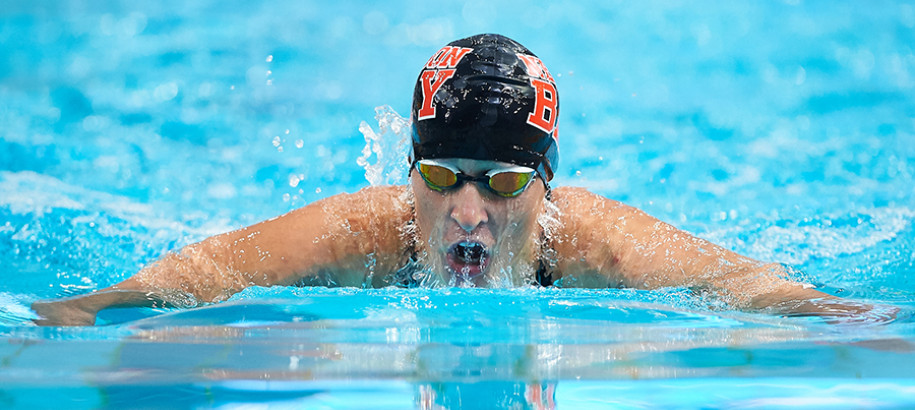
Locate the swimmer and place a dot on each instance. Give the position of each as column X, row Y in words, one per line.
column 478, row 211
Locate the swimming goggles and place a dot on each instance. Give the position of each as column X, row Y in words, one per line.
column 505, row 182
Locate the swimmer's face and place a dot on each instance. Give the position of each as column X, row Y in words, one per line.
column 471, row 236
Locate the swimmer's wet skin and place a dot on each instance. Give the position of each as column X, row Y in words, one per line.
column 485, row 115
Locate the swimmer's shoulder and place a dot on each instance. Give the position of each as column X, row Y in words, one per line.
column 372, row 221
column 590, row 236
column 372, row 208
column 579, row 202
column 374, row 216
column 394, row 198
column 386, row 192
column 581, row 213
column 582, row 237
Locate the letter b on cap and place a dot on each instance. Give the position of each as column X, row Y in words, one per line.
column 545, row 107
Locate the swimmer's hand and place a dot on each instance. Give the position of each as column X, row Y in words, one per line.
column 64, row 312
column 82, row 310
column 836, row 311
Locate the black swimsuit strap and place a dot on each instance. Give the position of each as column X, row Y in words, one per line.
column 544, row 276
column 544, row 273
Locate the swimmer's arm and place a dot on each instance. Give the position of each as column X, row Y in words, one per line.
column 331, row 237
column 633, row 249
column 82, row 310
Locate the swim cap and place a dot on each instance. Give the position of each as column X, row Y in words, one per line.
column 487, row 97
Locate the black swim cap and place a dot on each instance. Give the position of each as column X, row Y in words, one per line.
column 487, row 97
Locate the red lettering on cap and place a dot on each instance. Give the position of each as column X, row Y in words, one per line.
column 447, row 57
column 431, row 80
column 452, row 57
column 545, row 107
column 433, row 61
column 438, row 69
column 535, row 67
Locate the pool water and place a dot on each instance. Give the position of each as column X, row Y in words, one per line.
column 781, row 130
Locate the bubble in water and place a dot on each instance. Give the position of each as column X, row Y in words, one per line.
column 166, row 92
column 299, row 143
column 801, row 76
column 270, row 58
column 294, row 181
column 276, row 141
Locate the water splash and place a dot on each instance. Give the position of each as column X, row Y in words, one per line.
column 14, row 310
column 832, row 236
column 389, row 146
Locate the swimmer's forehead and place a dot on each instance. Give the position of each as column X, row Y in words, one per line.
column 472, row 166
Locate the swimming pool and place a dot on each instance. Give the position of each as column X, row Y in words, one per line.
column 780, row 130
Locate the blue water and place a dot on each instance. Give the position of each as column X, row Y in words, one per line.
column 781, row 130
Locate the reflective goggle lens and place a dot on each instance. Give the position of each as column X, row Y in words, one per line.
column 507, row 183
column 438, row 177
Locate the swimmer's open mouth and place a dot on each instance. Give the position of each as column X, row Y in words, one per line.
column 468, row 258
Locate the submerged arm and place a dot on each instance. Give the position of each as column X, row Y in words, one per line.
column 627, row 247
column 335, row 238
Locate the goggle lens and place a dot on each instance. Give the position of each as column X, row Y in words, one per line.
column 438, row 177
column 507, row 183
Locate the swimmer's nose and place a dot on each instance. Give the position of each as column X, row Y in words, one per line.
column 469, row 210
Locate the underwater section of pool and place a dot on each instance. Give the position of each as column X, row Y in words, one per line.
column 782, row 130
column 354, row 348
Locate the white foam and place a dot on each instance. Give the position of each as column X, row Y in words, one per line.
column 31, row 193
column 390, row 148
column 797, row 245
